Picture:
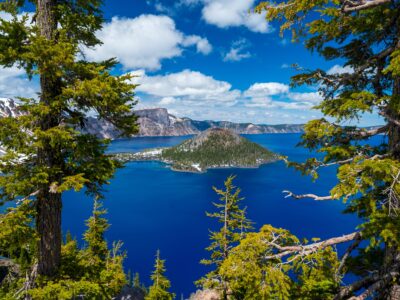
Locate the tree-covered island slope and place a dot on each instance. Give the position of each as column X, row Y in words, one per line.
column 213, row 148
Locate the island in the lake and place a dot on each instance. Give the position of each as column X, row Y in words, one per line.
column 213, row 148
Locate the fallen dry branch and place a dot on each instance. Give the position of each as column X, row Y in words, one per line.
column 304, row 250
column 352, row 6
column 311, row 196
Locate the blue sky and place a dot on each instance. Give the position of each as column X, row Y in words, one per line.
column 203, row 59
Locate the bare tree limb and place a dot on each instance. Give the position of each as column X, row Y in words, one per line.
column 304, row 250
column 378, row 285
column 349, row 160
column 312, row 196
column 389, row 118
column 355, row 286
column 352, row 6
column 353, row 246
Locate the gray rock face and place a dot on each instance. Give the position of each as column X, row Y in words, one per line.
column 158, row 122
column 8, row 108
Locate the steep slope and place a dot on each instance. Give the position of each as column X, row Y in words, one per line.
column 158, row 122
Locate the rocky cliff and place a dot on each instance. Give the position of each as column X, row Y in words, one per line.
column 158, row 122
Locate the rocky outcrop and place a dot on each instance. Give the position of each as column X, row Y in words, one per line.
column 131, row 293
column 205, row 295
column 159, row 122
column 8, row 108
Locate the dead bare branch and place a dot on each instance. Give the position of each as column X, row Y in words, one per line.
column 304, row 250
column 352, row 6
column 312, row 196
column 353, row 246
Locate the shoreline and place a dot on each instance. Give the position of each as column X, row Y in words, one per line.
column 170, row 165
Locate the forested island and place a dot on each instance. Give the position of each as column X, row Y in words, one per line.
column 213, row 148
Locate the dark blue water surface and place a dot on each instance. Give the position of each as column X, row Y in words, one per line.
column 151, row 207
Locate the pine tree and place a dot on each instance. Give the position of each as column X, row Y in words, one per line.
column 161, row 285
column 93, row 272
column 364, row 35
column 234, row 225
column 46, row 153
column 96, row 250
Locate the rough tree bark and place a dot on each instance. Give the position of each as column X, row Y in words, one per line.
column 49, row 202
column 392, row 254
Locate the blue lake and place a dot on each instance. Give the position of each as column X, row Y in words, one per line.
column 151, row 207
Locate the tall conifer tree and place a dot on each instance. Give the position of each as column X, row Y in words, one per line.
column 161, row 285
column 46, row 153
column 234, row 224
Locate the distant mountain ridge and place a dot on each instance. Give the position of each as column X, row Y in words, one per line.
column 159, row 122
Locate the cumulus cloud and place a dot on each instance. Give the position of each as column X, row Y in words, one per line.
column 238, row 51
column 13, row 83
column 337, row 69
column 143, row 42
column 266, row 89
column 199, row 96
column 233, row 13
column 202, row 44
column 314, row 97
column 187, row 85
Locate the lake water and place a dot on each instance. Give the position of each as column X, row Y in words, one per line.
column 151, row 207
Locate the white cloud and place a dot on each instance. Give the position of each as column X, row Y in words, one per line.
column 314, row 97
column 143, row 42
column 337, row 69
column 266, row 89
column 202, row 45
column 14, row 83
column 8, row 17
column 201, row 97
column 233, row 13
column 237, row 51
column 187, row 85
column 167, row 101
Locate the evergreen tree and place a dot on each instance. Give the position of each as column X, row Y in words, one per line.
column 46, row 154
column 161, row 285
column 95, row 272
column 364, row 35
column 234, row 224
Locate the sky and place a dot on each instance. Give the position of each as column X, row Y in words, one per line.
column 203, row 59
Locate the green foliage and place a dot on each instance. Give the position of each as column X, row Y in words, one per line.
column 234, row 226
column 363, row 35
column 17, row 237
column 219, row 148
column 93, row 271
column 250, row 275
column 159, row 289
column 46, row 151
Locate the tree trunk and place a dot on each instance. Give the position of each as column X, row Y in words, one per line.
column 392, row 254
column 49, row 204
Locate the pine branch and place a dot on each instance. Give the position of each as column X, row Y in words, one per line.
column 355, row 286
column 353, row 246
column 377, row 286
column 389, row 118
column 372, row 284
